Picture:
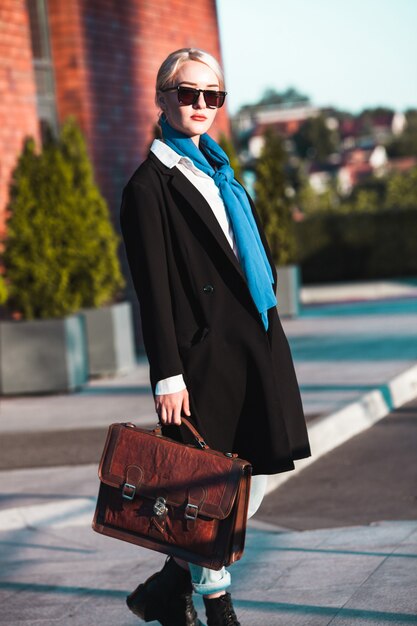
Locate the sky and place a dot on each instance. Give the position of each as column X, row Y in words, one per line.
column 350, row 54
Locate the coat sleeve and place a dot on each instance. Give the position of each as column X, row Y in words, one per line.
column 143, row 234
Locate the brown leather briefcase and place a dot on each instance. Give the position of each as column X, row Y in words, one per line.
column 185, row 500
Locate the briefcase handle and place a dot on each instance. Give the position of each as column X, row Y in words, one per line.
column 198, row 438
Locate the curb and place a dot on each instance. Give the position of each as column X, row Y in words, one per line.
column 331, row 431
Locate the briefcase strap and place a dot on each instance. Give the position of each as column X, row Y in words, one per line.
column 198, row 438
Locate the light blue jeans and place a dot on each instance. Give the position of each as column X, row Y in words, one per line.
column 207, row 581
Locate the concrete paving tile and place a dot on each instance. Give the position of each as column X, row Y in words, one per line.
column 307, row 538
column 380, row 535
column 387, row 596
column 365, row 618
column 36, row 486
column 373, row 604
column 331, row 372
column 317, row 595
column 396, row 571
column 412, row 538
column 273, row 552
column 42, row 609
column 126, row 398
column 318, row 404
column 56, row 596
column 5, row 597
column 107, row 614
column 331, row 570
column 251, row 580
column 407, row 550
column 360, row 324
column 277, row 560
column 275, row 612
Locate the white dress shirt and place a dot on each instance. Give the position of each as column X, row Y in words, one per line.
column 208, row 188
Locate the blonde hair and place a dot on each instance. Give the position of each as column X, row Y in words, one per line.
column 170, row 67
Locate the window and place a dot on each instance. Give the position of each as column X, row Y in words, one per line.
column 42, row 63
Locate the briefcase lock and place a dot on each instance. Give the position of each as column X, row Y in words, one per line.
column 128, row 491
column 191, row 512
column 160, row 508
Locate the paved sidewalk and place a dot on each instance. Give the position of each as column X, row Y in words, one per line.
column 348, row 576
column 354, row 360
column 55, row 569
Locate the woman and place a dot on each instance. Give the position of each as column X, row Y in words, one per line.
column 206, row 283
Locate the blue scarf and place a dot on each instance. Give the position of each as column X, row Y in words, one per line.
column 253, row 259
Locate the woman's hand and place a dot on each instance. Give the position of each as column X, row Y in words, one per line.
column 169, row 406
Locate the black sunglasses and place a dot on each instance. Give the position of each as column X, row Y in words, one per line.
column 189, row 95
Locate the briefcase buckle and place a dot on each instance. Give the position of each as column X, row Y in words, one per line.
column 160, row 507
column 128, row 491
column 191, row 512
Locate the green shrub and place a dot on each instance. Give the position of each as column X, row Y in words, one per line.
column 3, row 291
column 272, row 202
column 356, row 246
column 226, row 143
column 402, row 190
column 60, row 248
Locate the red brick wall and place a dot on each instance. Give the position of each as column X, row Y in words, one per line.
column 68, row 51
column 18, row 115
column 106, row 56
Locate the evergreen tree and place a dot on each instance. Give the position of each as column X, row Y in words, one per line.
column 272, row 202
column 228, row 146
column 61, row 248
column 3, row 291
column 314, row 140
column 311, row 202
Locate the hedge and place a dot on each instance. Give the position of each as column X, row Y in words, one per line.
column 356, row 246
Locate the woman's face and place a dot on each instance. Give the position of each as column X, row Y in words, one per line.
column 193, row 119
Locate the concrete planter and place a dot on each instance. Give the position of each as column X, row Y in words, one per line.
column 288, row 290
column 110, row 339
column 42, row 356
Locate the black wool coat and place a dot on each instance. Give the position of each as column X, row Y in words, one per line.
column 199, row 320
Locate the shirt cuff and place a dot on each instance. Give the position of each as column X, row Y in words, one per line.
column 170, row 385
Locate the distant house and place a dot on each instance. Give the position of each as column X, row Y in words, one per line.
column 401, row 164
column 256, row 140
column 348, row 168
column 377, row 129
column 320, row 175
column 359, row 163
column 362, row 141
column 286, row 119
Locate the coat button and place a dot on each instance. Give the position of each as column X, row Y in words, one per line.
column 208, row 289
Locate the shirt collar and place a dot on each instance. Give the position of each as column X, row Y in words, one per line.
column 170, row 158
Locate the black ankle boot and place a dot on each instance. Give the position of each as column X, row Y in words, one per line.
column 220, row 611
column 166, row 597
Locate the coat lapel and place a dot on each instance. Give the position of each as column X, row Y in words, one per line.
column 200, row 205
column 203, row 209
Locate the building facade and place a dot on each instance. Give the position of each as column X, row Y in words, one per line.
column 96, row 60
